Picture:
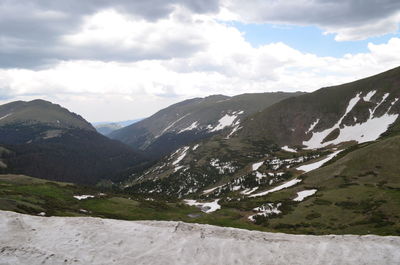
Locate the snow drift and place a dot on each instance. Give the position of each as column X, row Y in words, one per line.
column 70, row 240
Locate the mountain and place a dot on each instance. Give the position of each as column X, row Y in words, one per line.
column 359, row 111
column 44, row 140
column 273, row 145
column 192, row 120
column 105, row 128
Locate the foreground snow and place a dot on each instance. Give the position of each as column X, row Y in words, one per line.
column 62, row 240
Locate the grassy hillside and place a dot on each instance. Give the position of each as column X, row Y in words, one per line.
column 357, row 193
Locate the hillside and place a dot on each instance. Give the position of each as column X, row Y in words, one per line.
column 192, row 120
column 360, row 110
column 302, row 128
column 273, row 172
column 41, row 112
column 47, row 141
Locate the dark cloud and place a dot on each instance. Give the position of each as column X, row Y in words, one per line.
column 30, row 30
column 333, row 13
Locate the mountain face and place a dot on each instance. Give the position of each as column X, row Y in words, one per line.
column 359, row 111
column 192, row 120
column 47, row 141
column 281, row 143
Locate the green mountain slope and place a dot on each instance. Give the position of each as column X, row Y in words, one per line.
column 47, row 141
column 285, row 136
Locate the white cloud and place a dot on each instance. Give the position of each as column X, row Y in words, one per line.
column 224, row 63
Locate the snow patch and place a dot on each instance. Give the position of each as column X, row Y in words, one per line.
column 369, row 95
column 288, row 149
column 5, row 116
column 223, row 167
column 83, row 197
column 257, row 165
column 312, row 126
column 182, row 155
column 301, row 195
column 212, row 189
column 192, row 126
column 360, row 132
column 280, row 187
column 266, row 210
column 207, row 207
column 227, row 120
column 195, row 147
column 249, row 191
column 318, row 164
column 171, row 124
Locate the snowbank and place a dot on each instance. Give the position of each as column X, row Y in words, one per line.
column 61, row 240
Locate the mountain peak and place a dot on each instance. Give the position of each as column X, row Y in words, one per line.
column 43, row 112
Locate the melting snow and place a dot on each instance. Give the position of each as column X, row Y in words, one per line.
column 223, row 167
column 181, row 156
column 235, row 129
column 288, row 149
column 83, row 197
column 207, row 207
column 195, row 147
column 172, row 124
column 86, row 240
column 212, row 189
column 249, row 191
column 193, row 126
column 226, row 121
column 318, row 164
column 5, row 116
column 312, row 126
column 257, row 165
column 301, row 195
column 266, row 210
column 369, row 95
column 280, row 187
column 360, row 132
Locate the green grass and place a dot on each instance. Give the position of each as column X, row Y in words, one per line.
column 358, row 193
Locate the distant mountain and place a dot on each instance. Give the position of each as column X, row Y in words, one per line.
column 106, row 128
column 282, row 142
column 194, row 119
column 47, row 141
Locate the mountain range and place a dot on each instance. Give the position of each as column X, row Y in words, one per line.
column 324, row 162
column 192, row 120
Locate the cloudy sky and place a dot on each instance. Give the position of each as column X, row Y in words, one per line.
column 123, row 59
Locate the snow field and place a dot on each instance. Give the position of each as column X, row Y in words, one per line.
column 84, row 240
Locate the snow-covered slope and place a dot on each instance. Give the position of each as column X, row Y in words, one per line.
column 65, row 240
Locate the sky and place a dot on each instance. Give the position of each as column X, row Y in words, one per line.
column 122, row 59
